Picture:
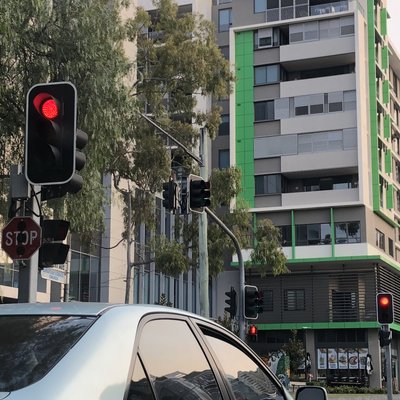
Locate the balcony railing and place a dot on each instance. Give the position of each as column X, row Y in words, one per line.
column 329, row 8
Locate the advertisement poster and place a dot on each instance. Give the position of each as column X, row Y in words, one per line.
column 322, row 359
column 353, row 359
column 362, row 354
column 343, row 359
column 332, row 359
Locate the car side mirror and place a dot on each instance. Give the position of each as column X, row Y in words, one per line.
column 311, row 393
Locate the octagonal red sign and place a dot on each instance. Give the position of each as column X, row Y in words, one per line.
column 21, row 238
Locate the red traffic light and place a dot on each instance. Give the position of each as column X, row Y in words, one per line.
column 384, row 301
column 47, row 106
column 384, row 308
column 50, row 109
column 253, row 330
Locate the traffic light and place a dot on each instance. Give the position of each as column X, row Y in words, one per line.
column 253, row 333
column 198, row 193
column 253, row 302
column 53, row 251
column 385, row 337
column 51, row 138
column 231, row 302
column 170, row 195
column 384, row 307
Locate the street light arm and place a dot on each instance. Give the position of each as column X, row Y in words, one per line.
column 241, row 269
column 184, row 148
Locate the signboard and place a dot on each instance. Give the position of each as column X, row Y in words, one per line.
column 21, row 238
column 54, row 275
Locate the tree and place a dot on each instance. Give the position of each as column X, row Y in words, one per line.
column 295, row 350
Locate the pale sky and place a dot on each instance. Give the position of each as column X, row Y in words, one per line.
column 394, row 23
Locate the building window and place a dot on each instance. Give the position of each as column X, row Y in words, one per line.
column 268, row 184
column 223, row 158
column 224, row 19
column 266, row 74
column 223, row 129
column 347, row 232
column 391, row 248
column 313, row 234
column 286, row 235
column 294, row 300
column 380, row 239
column 260, row 6
column 264, row 111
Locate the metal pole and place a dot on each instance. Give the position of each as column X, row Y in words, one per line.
column 388, row 356
column 203, row 245
column 241, row 271
column 34, row 262
column 128, row 250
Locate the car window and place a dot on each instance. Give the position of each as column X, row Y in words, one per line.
column 175, row 362
column 31, row 345
column 246, row 379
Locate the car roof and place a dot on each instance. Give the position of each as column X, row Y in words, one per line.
column 85, row 308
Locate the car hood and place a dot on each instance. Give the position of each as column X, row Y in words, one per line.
column 3, row 395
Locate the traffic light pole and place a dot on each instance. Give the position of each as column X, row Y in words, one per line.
column 241, row 270
column 203, row 245
column 388, row 361
column 34, row 262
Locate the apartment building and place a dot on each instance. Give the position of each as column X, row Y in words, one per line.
column 313, row 124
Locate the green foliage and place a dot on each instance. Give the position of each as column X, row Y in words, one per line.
column 267, row 253
column 170, row 256
column 294, row 348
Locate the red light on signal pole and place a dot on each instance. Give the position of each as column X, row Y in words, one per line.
column 384, row 301
column 253, row 330
column 49, row 109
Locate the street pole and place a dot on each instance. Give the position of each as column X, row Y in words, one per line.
column 388, row 357
column 34, row 262
column 203, row 245
column 241, row 270
column 128, row 250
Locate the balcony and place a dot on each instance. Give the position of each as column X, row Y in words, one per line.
column 329, row 8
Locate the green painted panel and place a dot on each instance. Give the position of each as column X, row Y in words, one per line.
column 384, row 16
column 385, row 57
column 318, row 325
column 244, row 129
column 385, row 92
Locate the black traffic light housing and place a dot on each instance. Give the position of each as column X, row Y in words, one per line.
column 170, row 197
column 231, row 302
column 384, row 308
column 52, row 142
column 53, row 251
column 385, row 337
column 253, row 302
column 253, row 333
column 198, row 193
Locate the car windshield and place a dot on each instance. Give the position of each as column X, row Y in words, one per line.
column 31, row 345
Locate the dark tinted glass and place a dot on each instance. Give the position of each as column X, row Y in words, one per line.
column 246, row 378
column 140, row 388
column 175, row 362
column 31, row 345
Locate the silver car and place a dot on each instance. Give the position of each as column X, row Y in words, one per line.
column 94, row 351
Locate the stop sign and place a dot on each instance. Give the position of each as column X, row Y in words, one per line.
column 21, row 238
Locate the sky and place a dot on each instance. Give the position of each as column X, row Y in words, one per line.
column 394, row 22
